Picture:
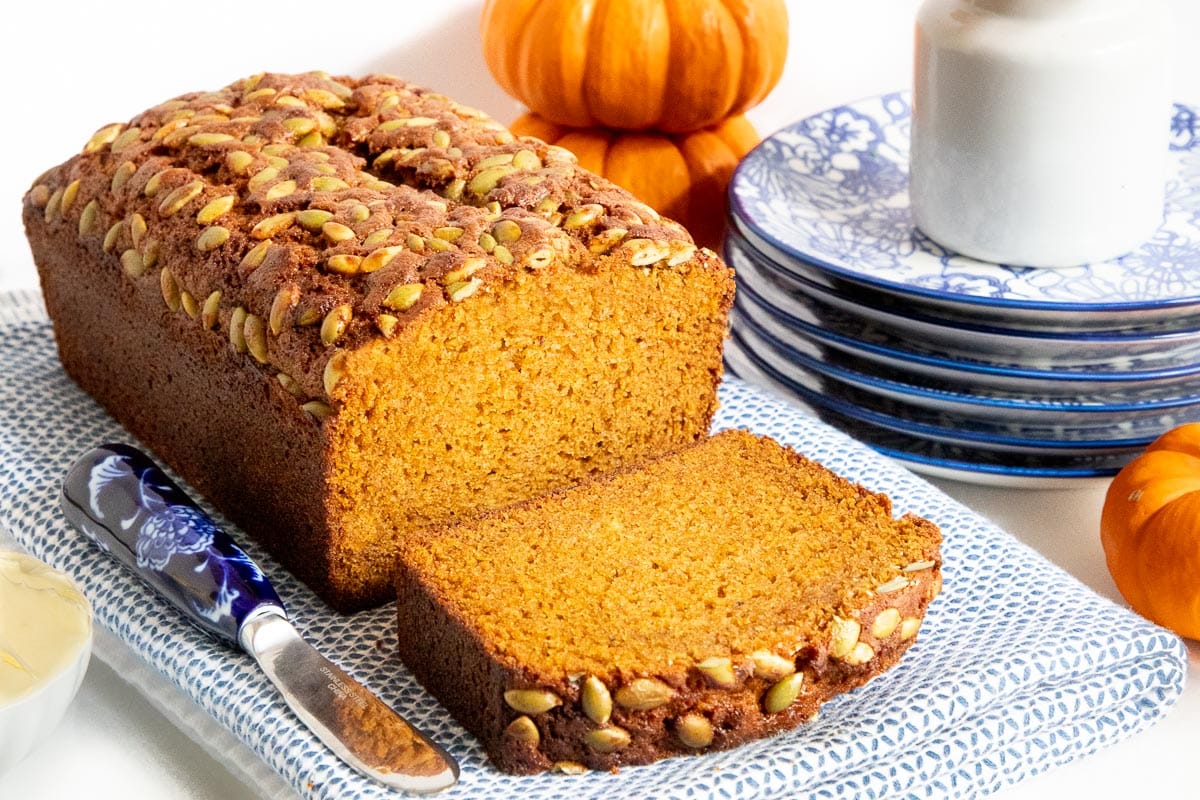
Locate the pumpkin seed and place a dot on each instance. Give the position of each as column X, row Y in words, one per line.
column 568, row 767
column 122, row 175
column 464, row 271
column 131, row 262
column 212, row 238
column 300, row 125
column 531, row 701
column 154, row 184
column 128, row 138
column 680, row 253
column 207, row 139
column 170, row 289
column 503, row 255
column 379, row 258
column 596, row 700
column 262, row 178
column 102, row 137
column 606, row 240
column 843, row 636
column 113, row 236
column 539, row 259
column 718, row 671
column 208, row 314
column 190, row 306
column 643, row 694
column 272, row 226
column 694, row 731
column 861, row 654
column 486, row 180
column 281, row 306
column 387, row 324
column 89, row 218
column 403, row 297
column 53, row 206
column 885, row 623
column 237, row 329
column 609, row 739
column 771, row 667
column 526, row 160
column 336, row 232
column 335, row 323
column 506, row 231
column 344, row 264
column 376, row 238
column 215, row 209
column 311, row 219
column 281, row 189
column 894, row 585
column 335, row 370
column 523, row 730
column 179, row 197
column 255, row 257
column 137, row 228
column 328, row 183
column 919, row 566
column 324, row 98
column 150, row 253
column 584, row 215
column 645, row 252
column 461, row 290
column 68, row 196
column 318, row 409
column 290, row 385
column 783, row 693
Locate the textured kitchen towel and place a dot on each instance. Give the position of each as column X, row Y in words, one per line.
column 1018, row 667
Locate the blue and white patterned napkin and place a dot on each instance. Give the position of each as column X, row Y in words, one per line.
column 1018, row 667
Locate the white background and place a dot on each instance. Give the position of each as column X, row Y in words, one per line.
column 71, row 67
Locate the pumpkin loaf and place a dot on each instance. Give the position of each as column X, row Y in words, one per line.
column 695, row 602
column 346, row 309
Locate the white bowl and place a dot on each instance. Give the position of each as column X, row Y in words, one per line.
column 29, row 713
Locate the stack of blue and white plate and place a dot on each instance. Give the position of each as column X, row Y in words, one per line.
column 960, row 368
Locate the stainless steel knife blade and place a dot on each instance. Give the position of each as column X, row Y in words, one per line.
column 353, row 722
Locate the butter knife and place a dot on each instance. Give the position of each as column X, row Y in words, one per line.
column 119, row 498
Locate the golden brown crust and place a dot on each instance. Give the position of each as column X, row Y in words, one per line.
column 264, row 242
column 273, row 193
column 744, row 613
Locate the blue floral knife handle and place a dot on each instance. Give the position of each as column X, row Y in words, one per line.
column 123, row 501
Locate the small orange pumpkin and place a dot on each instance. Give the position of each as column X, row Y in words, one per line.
column 682, row 177
column 1150, row 530
column 672, row 65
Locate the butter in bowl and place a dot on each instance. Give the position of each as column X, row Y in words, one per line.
column 45, row 645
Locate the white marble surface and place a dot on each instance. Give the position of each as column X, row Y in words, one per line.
column 72, row 67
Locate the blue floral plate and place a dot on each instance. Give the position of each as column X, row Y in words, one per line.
column 1044, row 424
column 830, row 193
column 824, row 332
column 973, row 340
column 948, row 428
column 970, row 463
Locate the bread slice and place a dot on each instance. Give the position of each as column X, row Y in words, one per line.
column 707, row 598
column 348, row 308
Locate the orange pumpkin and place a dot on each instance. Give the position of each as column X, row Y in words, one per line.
column 682, row 177
column 1150, row 529
column 672, row 65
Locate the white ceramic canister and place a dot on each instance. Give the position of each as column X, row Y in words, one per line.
column 1040, row 127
